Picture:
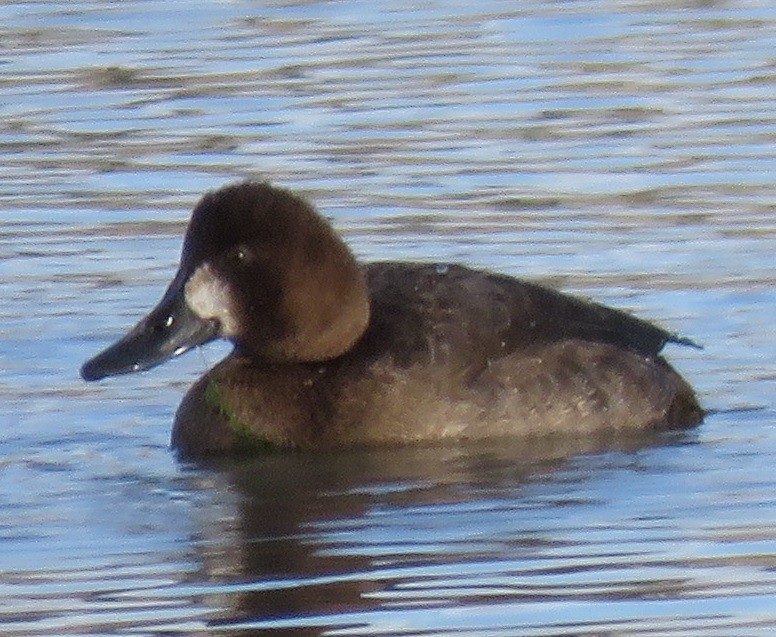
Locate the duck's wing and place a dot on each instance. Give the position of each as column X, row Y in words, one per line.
column 440, row 310
column 543, row 314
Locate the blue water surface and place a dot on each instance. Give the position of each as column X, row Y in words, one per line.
column 621, row 151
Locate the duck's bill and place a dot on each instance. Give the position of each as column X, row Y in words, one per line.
column 169, row 330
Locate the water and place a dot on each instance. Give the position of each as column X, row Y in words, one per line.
column 622, row 151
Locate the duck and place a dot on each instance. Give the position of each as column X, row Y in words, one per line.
column 329, row 353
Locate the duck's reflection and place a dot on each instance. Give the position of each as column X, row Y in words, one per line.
column 303, row 542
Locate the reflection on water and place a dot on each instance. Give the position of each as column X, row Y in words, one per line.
column 502, row 534
column 623, row 152
column 628, row 536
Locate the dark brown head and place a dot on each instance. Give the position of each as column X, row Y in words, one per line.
column 260, row 267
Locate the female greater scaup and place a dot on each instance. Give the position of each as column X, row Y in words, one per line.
column 328, row 353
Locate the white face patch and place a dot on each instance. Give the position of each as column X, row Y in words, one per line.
column 210, row 297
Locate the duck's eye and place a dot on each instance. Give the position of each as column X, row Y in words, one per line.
column 243, row 254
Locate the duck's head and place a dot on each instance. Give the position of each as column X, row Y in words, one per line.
column 261, row 268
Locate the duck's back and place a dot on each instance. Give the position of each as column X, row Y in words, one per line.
column 422, row 309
